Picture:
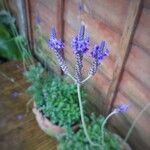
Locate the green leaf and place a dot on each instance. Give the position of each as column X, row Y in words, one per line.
column 8, row 46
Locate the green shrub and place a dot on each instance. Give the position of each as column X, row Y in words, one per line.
column 78, row 140
column 54, row 97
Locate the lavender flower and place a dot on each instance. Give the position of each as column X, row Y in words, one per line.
column 79, row 45
column 15, row 94
column 57, row 45
column 98, row 53
column 122, row 108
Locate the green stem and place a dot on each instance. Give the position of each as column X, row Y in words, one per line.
column 86, row 79
column 71, row 77
column 82, row 118
column 103, row 126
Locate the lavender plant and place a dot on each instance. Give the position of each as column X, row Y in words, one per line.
column 80, row 45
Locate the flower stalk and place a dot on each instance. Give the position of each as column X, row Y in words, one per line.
column 119, row 109
column 79, row 45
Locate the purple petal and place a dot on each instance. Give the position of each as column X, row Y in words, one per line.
column 20, row 117
column 15, row 94
column 122, row 108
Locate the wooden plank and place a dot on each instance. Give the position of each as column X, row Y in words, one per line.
column 121, row 122
column 138, row 65
column 60, row 22
column 98, row 9
column 124, row 44
column 48, row 19
column 147, row 4
column 60, row 15
column 114, row 18
column 138, row 93
column 142, row 32
column 28, row 10
column 49, row 4
column 17, row 131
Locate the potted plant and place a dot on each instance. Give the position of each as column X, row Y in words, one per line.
column 92, row 134
column 55, row 101
column 78, row 140
column 58, row 105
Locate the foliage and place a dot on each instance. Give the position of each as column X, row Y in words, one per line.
column 42, row 49
column 54, row 97
column 78, row 140
column 9, row 43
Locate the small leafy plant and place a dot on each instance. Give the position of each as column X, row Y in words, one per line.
column 78, row 140
column 55, row 98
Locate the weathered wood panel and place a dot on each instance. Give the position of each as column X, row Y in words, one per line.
column 124, row 49
column 114, row 18
column 17, row 131
column 138, row 65
column 121, row 123
column 142, row 33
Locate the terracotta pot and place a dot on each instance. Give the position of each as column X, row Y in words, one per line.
column 48, row 127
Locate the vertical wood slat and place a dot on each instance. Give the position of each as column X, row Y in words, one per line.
column 60, row 21
column 124, row 48
column 29, row 23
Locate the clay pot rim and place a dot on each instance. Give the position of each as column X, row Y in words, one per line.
column 47, row 122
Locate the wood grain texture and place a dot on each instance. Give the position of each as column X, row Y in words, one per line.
column 124, row 44
column 18, row 132
column 142, row 32
column 140, row 136
column 138, row 65
column 60, row 22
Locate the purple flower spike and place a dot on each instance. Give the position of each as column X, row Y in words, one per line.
column 100, row 51
column 122, row 108
column 80, row 43
column 53, row 42
column 80, row 46
column 57, row 45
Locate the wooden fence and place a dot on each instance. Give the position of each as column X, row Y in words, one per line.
column 124, row 77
